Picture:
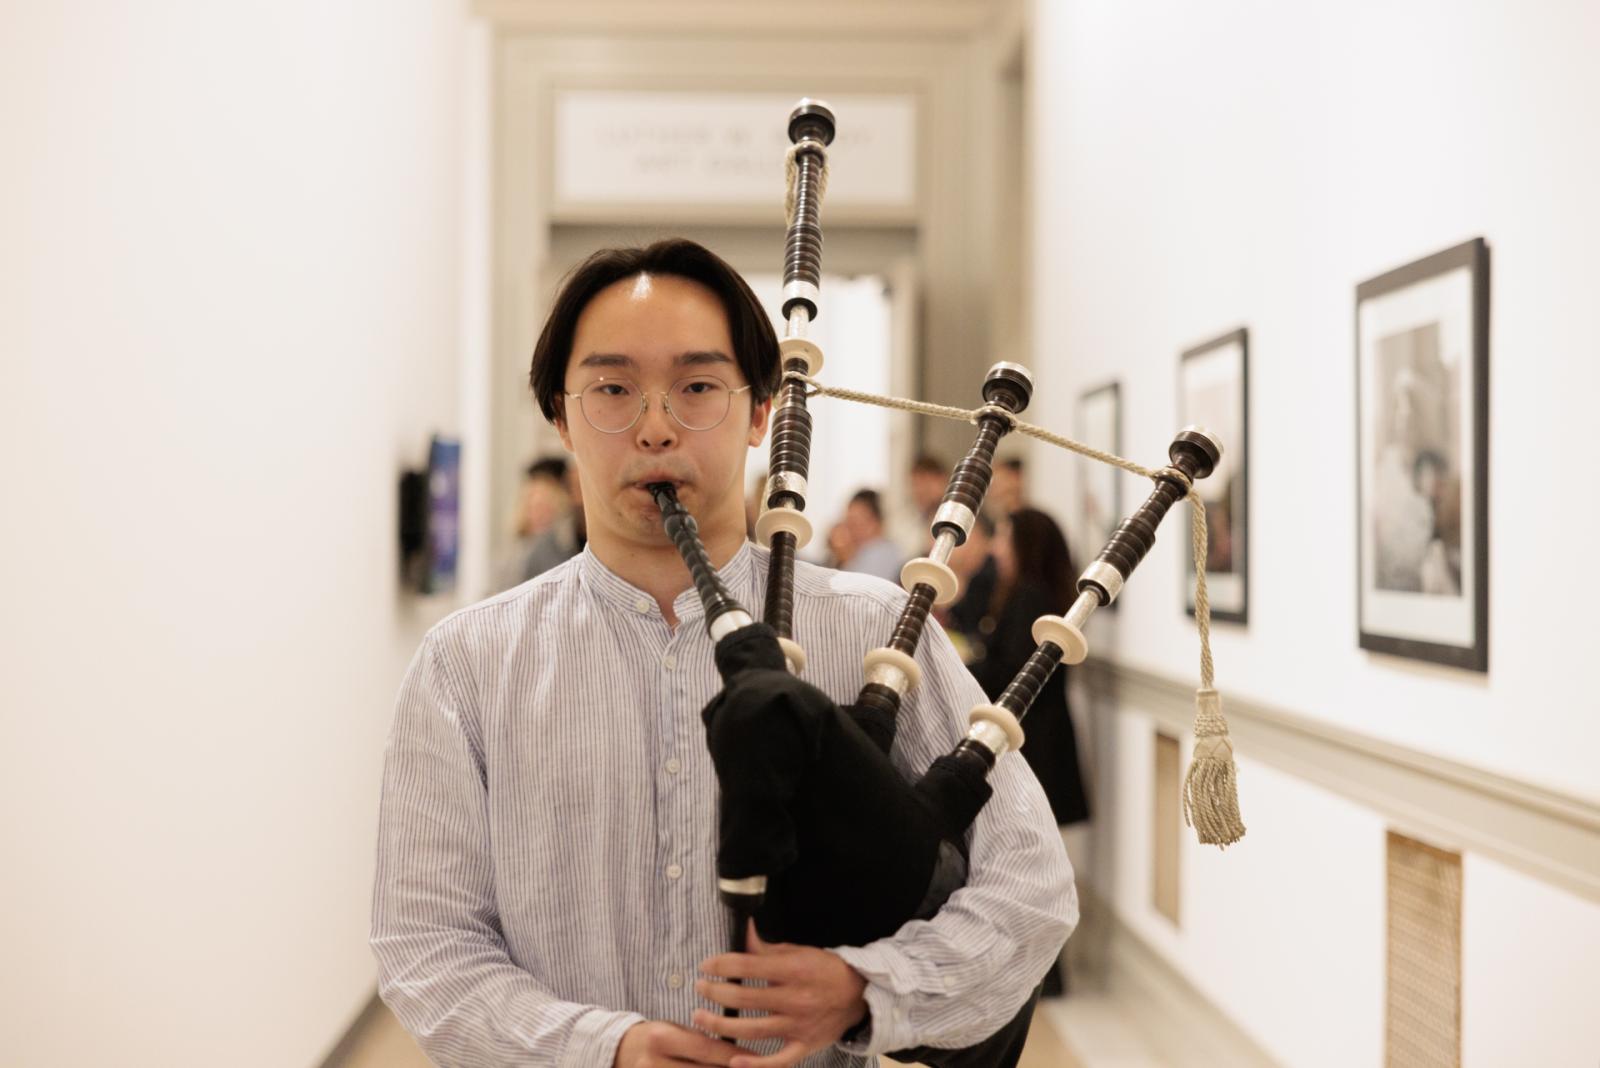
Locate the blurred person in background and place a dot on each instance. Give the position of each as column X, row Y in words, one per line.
column 910, row 529
column 929, row 477
column 543, row 501
column 841, row 547
column 871, row 551
column 1033, row 577
column 1008, row 489
column 544, row 496
column 976, row 574
column 549, row 522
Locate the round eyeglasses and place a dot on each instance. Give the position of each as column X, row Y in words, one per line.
column 612, row 405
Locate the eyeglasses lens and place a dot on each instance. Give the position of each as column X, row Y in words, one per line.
column 697, row 403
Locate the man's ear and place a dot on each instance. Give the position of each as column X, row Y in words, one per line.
column 560, row 422
column 760, row 414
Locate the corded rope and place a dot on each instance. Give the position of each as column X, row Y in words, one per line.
column 1210, row 789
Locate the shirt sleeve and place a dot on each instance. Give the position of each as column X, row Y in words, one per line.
column 443, row 967
column 956, row 979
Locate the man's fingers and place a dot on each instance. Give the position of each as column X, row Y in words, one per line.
column 776, row 963
column 707, row 1050
column 792, row 1053
column 734, row 996
column 670, row 1043
column 742, row 1028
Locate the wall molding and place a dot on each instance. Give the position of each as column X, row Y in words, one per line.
column 1552, row 836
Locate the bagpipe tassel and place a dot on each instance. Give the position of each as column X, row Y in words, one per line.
column 1211, row 789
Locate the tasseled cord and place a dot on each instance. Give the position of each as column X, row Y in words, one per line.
column 1211, row 789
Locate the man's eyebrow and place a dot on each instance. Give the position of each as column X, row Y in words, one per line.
column 694, row 358
column 700, row 357
column 606, row 359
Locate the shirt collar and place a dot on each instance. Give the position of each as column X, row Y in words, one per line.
column 618, row 592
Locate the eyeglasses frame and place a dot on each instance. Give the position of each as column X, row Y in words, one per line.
column 644, row 403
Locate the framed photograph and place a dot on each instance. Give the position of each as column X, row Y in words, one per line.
column 1213, row 392
column 1422, row 432
column 1099, row 424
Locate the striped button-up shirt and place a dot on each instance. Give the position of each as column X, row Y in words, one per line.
column 547, row 837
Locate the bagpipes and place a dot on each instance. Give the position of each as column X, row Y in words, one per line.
column 821, row 840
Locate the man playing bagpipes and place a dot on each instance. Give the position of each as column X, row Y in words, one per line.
column 547, row 883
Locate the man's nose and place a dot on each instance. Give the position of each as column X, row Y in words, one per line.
column 656, row 428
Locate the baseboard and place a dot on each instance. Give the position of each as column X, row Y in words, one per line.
column 1171, row 1015
column 352, row 1034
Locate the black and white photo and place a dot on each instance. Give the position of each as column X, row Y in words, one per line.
column 1422, row 407
column 1099, row 425
column 1212, row 393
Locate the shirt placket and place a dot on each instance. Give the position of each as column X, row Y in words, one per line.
column 675, row 813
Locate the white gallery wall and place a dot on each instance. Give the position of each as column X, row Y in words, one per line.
column 1204, row 167
column 228, row 318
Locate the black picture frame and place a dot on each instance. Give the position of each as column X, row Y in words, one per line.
column 1214, row 392
column 1422, row 459
column 1098, row 509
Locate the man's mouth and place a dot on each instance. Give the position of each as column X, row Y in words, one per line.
column 658, row 480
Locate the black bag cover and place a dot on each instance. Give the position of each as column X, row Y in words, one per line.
column 850, row 848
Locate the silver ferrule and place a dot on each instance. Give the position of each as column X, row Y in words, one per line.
column 1216, row 442
column 1106, row 577
column 786, row 482
column 750, row 886
column 1006, row 365
column 798, row 290
column 957, row 515
column 1083, row 608
column 890, row 676
column 728, row 622
column 990, row 736
column 943, row 546
column 799, row 319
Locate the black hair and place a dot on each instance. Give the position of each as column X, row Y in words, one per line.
column 869, row 497
column 553, row 467
column 1042, row 557
column 755, row 344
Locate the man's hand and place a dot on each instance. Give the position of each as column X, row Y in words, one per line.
column 811, row 998
column 647, row 1045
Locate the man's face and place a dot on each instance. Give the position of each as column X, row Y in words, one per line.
column 927, row 490
column 1005, row 488
column 654, row 330
column 860, row 522
column 968, row 557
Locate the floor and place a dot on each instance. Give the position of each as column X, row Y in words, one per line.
column 383, row 1044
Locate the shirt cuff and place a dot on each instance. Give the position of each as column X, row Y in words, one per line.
column 594, row 1039
column 891, row 986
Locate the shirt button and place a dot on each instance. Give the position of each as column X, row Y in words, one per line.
column 669, row 661
column 674, row 871
column 641, row 605
column 673, row 767
column 675, row 981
